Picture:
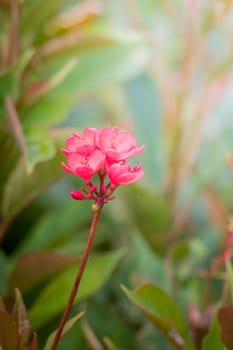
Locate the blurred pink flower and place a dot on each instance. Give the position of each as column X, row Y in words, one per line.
column 118, row 144
column 121, row 174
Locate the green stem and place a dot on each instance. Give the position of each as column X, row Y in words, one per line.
column 78, row 278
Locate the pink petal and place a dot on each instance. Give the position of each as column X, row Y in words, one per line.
column 105, row 135
column 129, row 178
column 120, row 173
column 125, row 141
column 85, row 149
column 85, row 172
column 65, row 151
column 96, row 160
column 90, row 135
column 134, row 151
column 73, row 141
column 66, row 168
column 116, row 170
column 74, row 160
column 113, row 154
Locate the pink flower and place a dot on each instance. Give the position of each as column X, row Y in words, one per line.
column 83, row 144
column 118, row 144
column 84, row 166
column 121, row 174
column 104, row 153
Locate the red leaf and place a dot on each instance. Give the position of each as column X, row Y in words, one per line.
column 8, row 332
column 34, row 267
column 225, row 317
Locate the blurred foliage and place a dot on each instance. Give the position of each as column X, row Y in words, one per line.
column 162, row 69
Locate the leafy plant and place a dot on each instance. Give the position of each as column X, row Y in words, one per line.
column 163, row 70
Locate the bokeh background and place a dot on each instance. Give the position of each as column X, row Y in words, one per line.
column 161, row 69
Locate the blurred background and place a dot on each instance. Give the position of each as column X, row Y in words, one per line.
column 161, row 69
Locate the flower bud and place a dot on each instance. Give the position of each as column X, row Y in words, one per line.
column 77, row 195
column 103, row 189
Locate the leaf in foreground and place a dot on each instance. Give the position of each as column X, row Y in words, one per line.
column 54, row 296
column 69, row 324
column 163, row 312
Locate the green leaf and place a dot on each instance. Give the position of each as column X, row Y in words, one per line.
column 68, row 219
column 118, row 330
column 91, row 337
column 162, row 311
column 4, row 273
column 110, row 345
column 95, row 68
column 32, row 9
column 34, row 267
column 69, row 324
column 21, row 188
column 10, row 80
column 213, row 338
column 39, row 146
column 51, row 300
column 152, row 214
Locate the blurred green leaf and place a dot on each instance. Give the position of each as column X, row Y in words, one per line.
column 118, row 330
column 152, row 214
column 6, row 88
column 74, row 339
column 68, row 219
column 142, row 264
column 10, row 80
column 110, row 345
column 96, row 68
column 163, row 312
column 39, row 146
column 34, row 267
column 40, row 11
column 4, row 273
column 69, row 324
column 213, row 338
column 21, row 187
column 96, row 273
column 91, row 337
column 36, row 90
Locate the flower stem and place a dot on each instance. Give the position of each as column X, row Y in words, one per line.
column 74, row 290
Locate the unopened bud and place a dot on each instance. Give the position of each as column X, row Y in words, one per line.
column 77, row 195
column 103, row 189
column 93, row 188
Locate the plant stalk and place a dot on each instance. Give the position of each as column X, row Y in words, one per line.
column 78, row 278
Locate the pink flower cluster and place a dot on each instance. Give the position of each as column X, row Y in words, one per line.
column 102, row 152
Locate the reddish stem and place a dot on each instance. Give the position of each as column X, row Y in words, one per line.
column 78, row 278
